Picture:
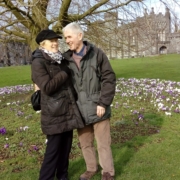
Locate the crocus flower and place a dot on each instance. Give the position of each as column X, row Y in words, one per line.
column 140, row 117
column 168, row 113
column 116, row 105
column 25, row 127
column 6, row 146
column 35, row 148
column 3, row 130
column 19, row 113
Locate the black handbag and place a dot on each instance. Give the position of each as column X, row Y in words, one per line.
column 36, row 100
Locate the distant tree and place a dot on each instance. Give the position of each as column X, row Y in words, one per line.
column 23, row 19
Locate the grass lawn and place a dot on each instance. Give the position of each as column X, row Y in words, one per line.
column 145, row 123
column 15, row 75
column 162, row 67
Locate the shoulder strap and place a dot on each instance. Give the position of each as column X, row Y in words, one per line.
column 98, row 70
column 96, row 64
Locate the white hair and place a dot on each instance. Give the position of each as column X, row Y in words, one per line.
column 75, row 27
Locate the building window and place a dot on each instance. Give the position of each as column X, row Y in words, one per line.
column 162, row 36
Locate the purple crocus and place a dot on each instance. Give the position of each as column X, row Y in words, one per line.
column 140, row 117
column 116, row 105
column 163, row 97
column 20, row 113
column 35, row 148
column 6, row 146
column 136, row 123
column 177, row 110
column 3, row 130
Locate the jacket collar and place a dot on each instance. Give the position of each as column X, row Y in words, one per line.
column 38, row 53
column 68, row 54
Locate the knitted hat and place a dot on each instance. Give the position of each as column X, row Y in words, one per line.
column 47, row 34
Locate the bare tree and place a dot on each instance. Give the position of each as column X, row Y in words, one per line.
column 25, row 18
column 138, row 29
column 22, row 19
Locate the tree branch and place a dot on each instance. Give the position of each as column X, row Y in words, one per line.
column 8, row 25
column 117, row 6
column 64, row 9
column 17, row 13
column 76, row 17
column 39, row 14
column 18, row 34
column 4, row 11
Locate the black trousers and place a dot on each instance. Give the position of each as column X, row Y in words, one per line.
column 56, row 158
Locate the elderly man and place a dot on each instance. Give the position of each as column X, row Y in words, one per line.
column 94, row 81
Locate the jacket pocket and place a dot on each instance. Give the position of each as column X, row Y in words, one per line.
column 57, row 106
column 94, row 97
column 92, row 107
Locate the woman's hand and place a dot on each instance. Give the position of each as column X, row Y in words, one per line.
column 36, row 87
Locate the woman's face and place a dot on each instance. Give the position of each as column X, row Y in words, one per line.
column 51, row 45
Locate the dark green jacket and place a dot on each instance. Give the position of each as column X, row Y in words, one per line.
column 59, row 112
column 94, row 82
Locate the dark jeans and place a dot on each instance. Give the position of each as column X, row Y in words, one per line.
column 56, row 158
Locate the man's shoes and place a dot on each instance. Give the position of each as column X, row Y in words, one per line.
column 87, row 175
column 107, row 176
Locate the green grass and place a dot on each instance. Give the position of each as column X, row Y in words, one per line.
column 162, row 67
column 15, row 75
column 147, row 151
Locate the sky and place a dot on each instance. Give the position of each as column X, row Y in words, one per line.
column 173, row 5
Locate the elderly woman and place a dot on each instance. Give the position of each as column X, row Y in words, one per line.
column 59, row 113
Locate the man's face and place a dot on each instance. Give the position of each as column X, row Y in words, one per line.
column 73, row 40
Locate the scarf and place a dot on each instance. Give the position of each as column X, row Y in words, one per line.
column 54, row 56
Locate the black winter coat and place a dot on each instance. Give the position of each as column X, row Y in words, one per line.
column 59, row 112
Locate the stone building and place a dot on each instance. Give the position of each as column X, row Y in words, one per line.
column 145, row 36
column 14, row 53
column 148, row 35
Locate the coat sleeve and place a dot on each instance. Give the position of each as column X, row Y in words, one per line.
column 41, row 77
column 108, row 80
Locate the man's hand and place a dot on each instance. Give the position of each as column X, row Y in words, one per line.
column 100, row 111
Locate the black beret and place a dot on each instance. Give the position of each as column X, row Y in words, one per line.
column 47, row 34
